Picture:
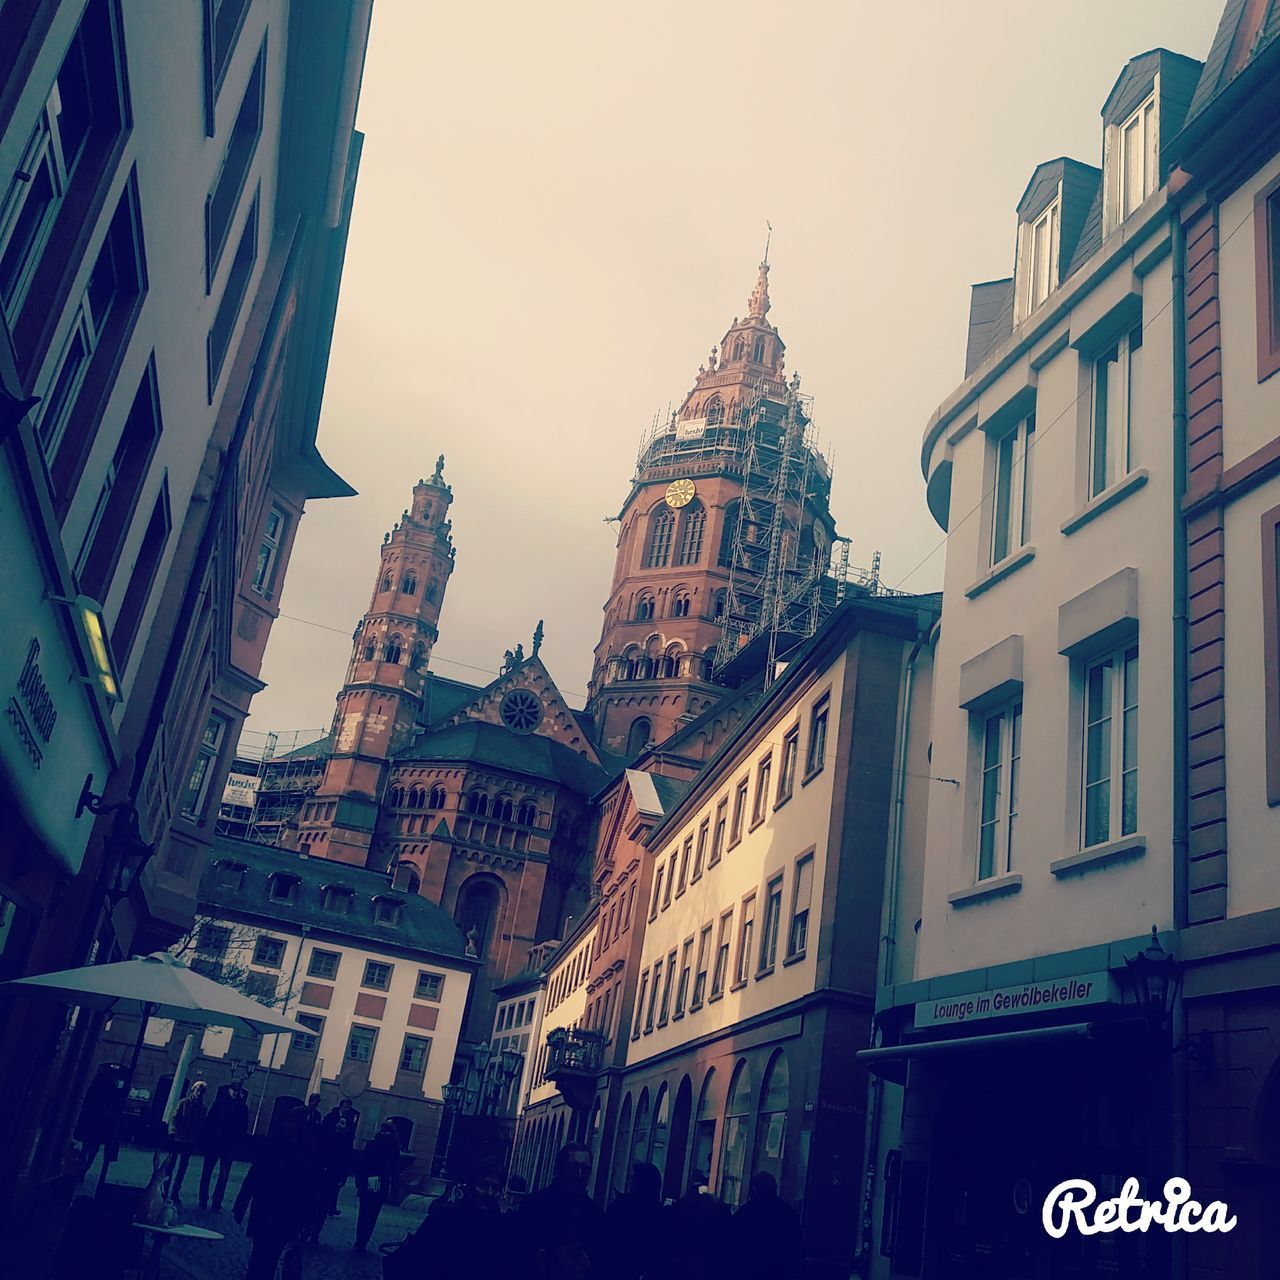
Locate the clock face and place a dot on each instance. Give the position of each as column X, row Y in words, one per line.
column 680, row 493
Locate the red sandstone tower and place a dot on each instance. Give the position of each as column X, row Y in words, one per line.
column 379, row 702
column 731, row 484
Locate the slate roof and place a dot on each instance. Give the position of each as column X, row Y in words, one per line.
column 481, row 743
column 441, row 697
column 1214, row 78
column 423, row 926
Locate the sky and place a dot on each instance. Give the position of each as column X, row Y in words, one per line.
column 560, row 209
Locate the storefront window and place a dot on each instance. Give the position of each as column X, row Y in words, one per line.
column 661, row 1126
column 737, row 1121
column 771, row 1128
column 704, row 1132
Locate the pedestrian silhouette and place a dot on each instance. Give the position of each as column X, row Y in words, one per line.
column 377, row 1180
column 635, row 1228
column 186, row 1134
column 766, row 1234
column 98, row 1125
column 224, row 1130
column 563, row 1212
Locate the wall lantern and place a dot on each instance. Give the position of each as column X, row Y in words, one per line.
column 1154, row 976
column 124, row 847
column 87, row 613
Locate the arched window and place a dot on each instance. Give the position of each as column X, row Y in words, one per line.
column 660, row 532
column 477, row 802
column 409, row 584
column 729, row 533
column 436, row 799
column 640, row 1138
column 680, row 605
column 395, row 798
column 757, row 352
column 733, row 1149
column 418, row 659
column 638, row 736
column 739, row 348
column 771, row 1122
column 704, row 1129
column 661, row 1127
column 406, row 878
column 502, row 808
column 718, row 605
column 433, row 590
column 415, row 797
column 622, row 1147
column 805, row 558
column 370, row 648
column 527, row 815
column 715, row 412
column 387, row 581
column 478, row 902
column 644, row 608
column 708, row 664
column 695, row 523
column 394, row 647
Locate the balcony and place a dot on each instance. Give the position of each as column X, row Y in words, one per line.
column 574, row 1060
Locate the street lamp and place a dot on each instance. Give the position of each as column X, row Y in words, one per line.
column 124, row 847
column 1154, row 977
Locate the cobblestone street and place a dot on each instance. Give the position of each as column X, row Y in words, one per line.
column 332, row 1258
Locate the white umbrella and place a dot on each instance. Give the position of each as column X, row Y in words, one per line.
column 158, row 984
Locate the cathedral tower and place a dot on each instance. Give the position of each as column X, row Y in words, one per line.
column 379, row 703
column 731, row 488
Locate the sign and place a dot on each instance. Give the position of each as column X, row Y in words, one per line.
column 691, row 429
column 32, row 712
column 1031, row 997
column 241, row 789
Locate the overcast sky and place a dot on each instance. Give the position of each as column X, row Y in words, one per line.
column 561, row 207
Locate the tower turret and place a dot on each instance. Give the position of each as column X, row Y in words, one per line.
column 381, row 698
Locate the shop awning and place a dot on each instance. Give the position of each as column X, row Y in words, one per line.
column 891, row 1062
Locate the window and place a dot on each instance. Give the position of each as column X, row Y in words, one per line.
column 376, row 975
column 1110, row 800
column 223, row 199
column 660, row 532
column 224, row 319
column 436, row 799
column 222, row 21
column 1010, row 511
column 746, row 935
column 1001, row 761
column 671, row 879
column 701, row 856
column 657, row 894
column 1266, row 238
column 478, row 803
column 393, row 650
column 653, row 996
column 360, row 1043
column 72, row 139
column 203, row 767
column 283, row 888
column 769, row 928
column 213, row 939
column 763, row 776
column 638, row 736
column 273, row 531
column 644, row 608
column 721, row 971
column 142, row 576
column 324, row 964
column 268, row 952
column 686, row 969
column 413, row 1055
column 1116, row 381
column 717, row 843
column 816, row 756
column 1139, row 161
column 667, row 981
column 387, row 910
column 787, row 773
column 117, row 500
column 429, row 986
column 260, row 987
column 801, row 896
column 409, row 584
column 680, row 605
column 1039, row 259
column 686, row 854
column 739, row 812
column 700, row 974
column 695, row 523
column 307, row 1043
column 337, row 898
column 230, row 875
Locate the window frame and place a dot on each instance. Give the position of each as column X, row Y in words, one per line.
column 1266, row 232
column 1010, row 493
column 1041, row 274
column 796, row 950
column 723, row 955
column 738, row 825
column 686, row 855
column 770, row 926
column 422, row 1042
column 420, row 994
column 686, row 977
column 668, row 983
column 720, row 832
column 369, row 983
column 1117, row 739
column 315, row 1030
column 764, row 781
column 204, row 763
column 362, row 1032
column 701, row 973
column 999, row 780
column 789, row 765
column 819, row 731
column 263, row 581
column 1111, row 444
column 746, row 941
column 699, row 857
column 238, row 158
column 263, row 941
column 314, row 972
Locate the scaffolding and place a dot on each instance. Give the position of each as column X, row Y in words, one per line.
column 782, row 582
column 280, row 770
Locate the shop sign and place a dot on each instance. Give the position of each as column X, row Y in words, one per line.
column 691, row 429
column 31, row 710
column 1030, row 997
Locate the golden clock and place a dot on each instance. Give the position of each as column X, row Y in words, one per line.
column 680, row 493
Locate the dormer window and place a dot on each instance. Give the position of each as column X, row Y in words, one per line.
column 231, row 874
column 337, row 898
column 387, row 910
column 284, row 888
column 1139, row 159
column 1038, row 261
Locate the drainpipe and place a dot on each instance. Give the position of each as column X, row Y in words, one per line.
column 888, row 940
column 1181, row 695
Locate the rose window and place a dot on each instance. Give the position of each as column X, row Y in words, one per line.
column 521, row 711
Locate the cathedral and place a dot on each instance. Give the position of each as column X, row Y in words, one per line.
column 481, row 798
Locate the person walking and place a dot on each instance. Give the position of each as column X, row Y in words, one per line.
column 279, row 1191
column 186, row 1132
column 339, row 1133
column 224, row 1130
column 698, row 1231
column 377, row 1177
column 634, row 1234
column 98, row 1125
column 766, row 1234
column 563, row 1212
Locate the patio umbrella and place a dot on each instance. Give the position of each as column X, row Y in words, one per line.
column 158, row 985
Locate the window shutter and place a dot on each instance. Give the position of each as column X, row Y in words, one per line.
column 804, row 885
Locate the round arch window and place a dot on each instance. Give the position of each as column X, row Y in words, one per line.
column 521, row 711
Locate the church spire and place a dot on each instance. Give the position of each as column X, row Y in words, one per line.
column 758, row 304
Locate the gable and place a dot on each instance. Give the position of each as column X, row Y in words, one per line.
column 557, row 722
